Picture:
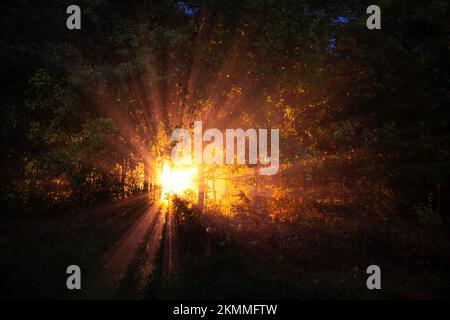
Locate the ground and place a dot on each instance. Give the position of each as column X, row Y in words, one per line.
column 136, row 249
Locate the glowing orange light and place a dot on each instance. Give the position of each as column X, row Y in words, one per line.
column 177, row 179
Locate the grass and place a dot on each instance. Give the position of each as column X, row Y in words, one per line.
column 36, row 250
column 219, row 258
column 311, row 259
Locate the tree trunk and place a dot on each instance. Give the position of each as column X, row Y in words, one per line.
column 146, row 177
column 201, row 187
column 123, row 175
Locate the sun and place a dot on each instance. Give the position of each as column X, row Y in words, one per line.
column 178, row 179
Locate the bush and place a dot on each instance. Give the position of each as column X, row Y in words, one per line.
column 191, row 233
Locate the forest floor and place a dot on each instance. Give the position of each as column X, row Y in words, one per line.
column 37, row 249
column 136, row 249
column 318, row 256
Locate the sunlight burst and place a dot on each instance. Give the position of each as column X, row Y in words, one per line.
column 177, row 179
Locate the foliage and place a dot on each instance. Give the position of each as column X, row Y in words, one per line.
column 427, row 216
column 363, row 114
column 191, row 234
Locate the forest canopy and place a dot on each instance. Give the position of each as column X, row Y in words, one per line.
column 363, row 114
